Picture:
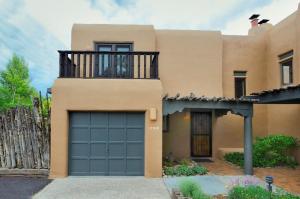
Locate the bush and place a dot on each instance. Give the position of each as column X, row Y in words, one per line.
column 199, row 170
column 249, row 192
column 257, row 192
column 191, row 189
column 269, row 151
column 236, row 158
column 183, row 170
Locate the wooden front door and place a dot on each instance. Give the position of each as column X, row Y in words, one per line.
column 201, row 134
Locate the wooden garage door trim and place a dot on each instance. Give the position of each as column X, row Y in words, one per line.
column 117, row 137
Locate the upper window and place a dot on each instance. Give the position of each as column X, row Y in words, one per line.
column 286, row 67
column 240, row 83
column 108, row 65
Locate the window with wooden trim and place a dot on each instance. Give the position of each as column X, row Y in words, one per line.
column 239, row 83
column 286, row 68
column 120, row 65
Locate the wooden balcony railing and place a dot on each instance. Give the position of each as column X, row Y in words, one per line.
column 98, row 64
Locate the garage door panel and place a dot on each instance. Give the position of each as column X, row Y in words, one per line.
column 117, row 166
column 116, row 149
column 106, row 143
column 98, row 166
column 116, row 134
column 99, row 119
column 80, row 149
column 80, row 133
column 135, row 166
column 98, row 149
column 135, row 119
column 135, row 149
column 79, row 166
column 117, row 120
column 99, row 134
column 135, row 134
column 80, row 118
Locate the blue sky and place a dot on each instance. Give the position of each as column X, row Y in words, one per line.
column 36, row 29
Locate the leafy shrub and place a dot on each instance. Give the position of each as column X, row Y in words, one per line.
column 273, row 151
column 183, row 170
column 236, row 158
column 199, row 170
column 170, row 171
column 249, row 192
column 268, row 151
column 257, row 192
column 191, row 189
column 185, row 162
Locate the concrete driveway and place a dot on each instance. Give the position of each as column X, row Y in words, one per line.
column 105, row 187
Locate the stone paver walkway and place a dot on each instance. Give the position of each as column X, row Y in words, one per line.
column 286, row 178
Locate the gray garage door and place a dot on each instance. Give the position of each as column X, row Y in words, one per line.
column 110, row 143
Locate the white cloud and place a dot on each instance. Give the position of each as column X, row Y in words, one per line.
column 58, row 15
column 276, row 11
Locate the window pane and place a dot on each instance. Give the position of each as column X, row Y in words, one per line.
column 104, row 61
column 287, row 72
column 123, row 61
column 240, row 87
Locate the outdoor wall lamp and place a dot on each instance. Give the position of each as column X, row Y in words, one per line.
column 269, row 181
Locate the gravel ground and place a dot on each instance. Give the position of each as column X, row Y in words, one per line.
column 20, row 187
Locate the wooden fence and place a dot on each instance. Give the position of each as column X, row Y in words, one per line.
column 25, row 138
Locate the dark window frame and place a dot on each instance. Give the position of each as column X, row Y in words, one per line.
column 284, row 58
column 291, row 73
column 114, row 46
column 240, row 77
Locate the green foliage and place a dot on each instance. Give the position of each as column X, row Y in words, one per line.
column 269, row 151
column 199, row 170
column 15, row 88
column 185, row 162
column 183, row 170
column 236, row 158
column 249, row 192
column 273, row 151
column 257, row 192
column 191, row 189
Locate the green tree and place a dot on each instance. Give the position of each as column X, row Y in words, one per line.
column 15, row 88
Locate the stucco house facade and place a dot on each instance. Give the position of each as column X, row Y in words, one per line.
column 109, row 115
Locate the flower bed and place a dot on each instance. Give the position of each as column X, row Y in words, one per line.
column 184, row 168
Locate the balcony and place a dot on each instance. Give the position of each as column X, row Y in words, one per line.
column 108, row 64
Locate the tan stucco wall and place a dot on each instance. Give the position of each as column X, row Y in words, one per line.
column 84, row 36
column 282, row 38
column 105, row 95
column 190, row 61
column 177, row 139
column 242, row 53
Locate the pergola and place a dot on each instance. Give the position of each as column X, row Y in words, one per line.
column 221, row 105
column 242, row 107
column 287, row 95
